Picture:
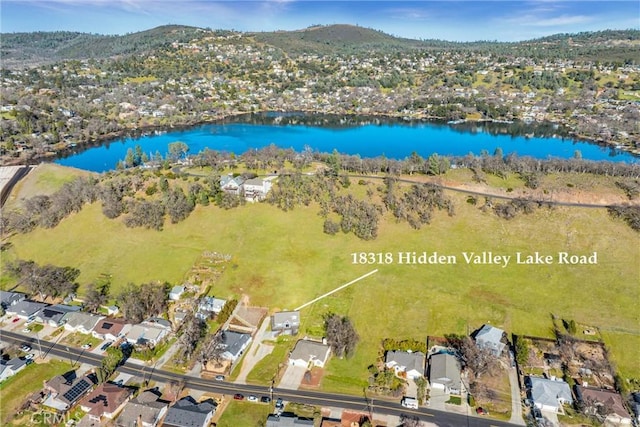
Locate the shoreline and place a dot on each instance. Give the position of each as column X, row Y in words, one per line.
column 141, row 131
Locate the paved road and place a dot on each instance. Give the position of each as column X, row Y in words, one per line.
column 358, row 403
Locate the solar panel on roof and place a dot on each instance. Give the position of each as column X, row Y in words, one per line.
column 107, row 325
column 77, row 390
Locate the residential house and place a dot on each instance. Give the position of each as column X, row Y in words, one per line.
column 285, row 322
column 444, row 373
column 176, row 292
column 107, row 400
column 63, row 391
column 490, row 338
column 79, row 321
column 149, row 333
column 209, row 306
column 307, row 353
column 186, row 412
column 406, row 363
column 548, row 395
column 7, row 299
column 287, row 421
column 234, row 344
column 607, row 403
column 54, row 314
column 256, row 189
column 231, row 185
column 11, row 367
column 111, row 329
column 25, row 309
column 145, row 411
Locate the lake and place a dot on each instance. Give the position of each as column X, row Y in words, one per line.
column 366, row 137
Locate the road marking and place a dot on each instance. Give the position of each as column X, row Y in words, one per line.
column 336, row 289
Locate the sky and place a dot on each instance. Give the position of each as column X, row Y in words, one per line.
column 448, row 20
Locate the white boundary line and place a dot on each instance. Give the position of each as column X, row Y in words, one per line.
column 337, row 289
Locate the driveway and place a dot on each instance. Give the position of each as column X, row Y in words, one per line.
column 516, row 401
column 292, row 377
column 257, row 351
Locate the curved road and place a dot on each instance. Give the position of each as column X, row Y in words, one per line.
column 440, row 418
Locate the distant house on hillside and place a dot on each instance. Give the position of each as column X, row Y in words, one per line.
column 402, row 362
column 176, row 292
column 256, row 189
column 490, row 338
column 231, row 185
column 209, row 306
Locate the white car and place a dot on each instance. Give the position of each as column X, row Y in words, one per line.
column 29, row 356
column 25, row 348
column 26, row 330
column 86, row 346
column 252, row 398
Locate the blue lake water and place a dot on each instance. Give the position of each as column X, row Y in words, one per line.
column 393, row 140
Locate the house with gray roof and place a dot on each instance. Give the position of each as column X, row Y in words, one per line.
column 444, row 373
column 307, row 353
column 146, row 410
column 287, row 421
column 25, row 309
column 231, row 185
column 490, row 338
column 176, row 292
column 404, row 363
column 7, row 299
column 54, row 314
column 11, row 367
column 186, row 412
column 548, row 395
column 79, row 321
column 234, row 344
column 149, row 333
column 285, row 322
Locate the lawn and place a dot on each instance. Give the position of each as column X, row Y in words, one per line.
column 17, row 388
column 265, row 370
column 244, row 414
column 283, row 259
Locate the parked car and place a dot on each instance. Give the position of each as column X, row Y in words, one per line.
column 106, row 345
column 265, row 399
column 238, row 396
column 279, row 403
column 86, row 346
column 16, row 320
column 26, row 330
column 481, row 411
column 410, row 402
column 25, row 348
column 219, row 378
column 252, row 398
column 30, row 320
column 30, row 356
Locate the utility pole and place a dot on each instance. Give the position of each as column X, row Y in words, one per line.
column 39, row 344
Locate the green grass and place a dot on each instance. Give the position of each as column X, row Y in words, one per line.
column 78, row 339
column 156, row 352
column 454, row 400
column 47, row 178
column 265, row 370
column 624, row 353
column 282, row 260
column 244, row 414
column 15, row 389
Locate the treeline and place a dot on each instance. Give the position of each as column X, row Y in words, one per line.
column 44, row 280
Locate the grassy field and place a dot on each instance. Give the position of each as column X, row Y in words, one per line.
column 17, row 388
column 282, row 260
column 44, row 179
column 244, row 414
